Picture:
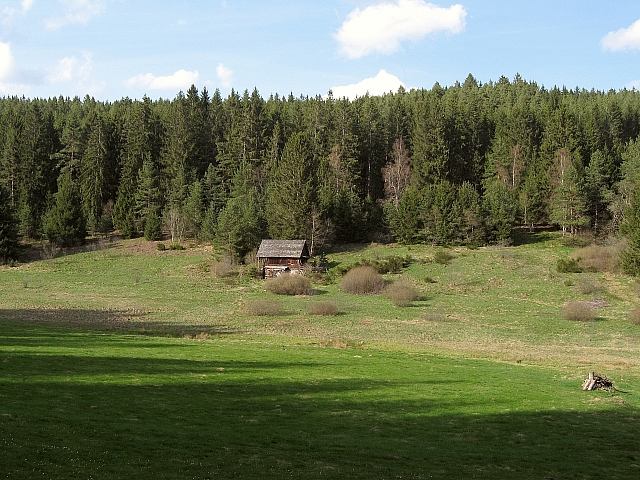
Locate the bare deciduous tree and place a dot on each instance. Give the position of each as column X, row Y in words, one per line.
column 397, row 173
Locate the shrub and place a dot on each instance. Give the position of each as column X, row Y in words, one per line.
column 600, row 258
column 588, row 286
column 568, row 283
column 568, row 265
column 287, row 284
column 362, row 280
column 634, row 315
column 223, row 268
column 161, row 247
column 324, row 308
column 434, row 317
column 442, row 257
column 264, row 308
column 430, row 280
column 402, row 293
column 578, row 311
column 175, row 246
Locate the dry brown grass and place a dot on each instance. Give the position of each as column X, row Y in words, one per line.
column 324, row 308
column 589, row 286
column 402, row 293
column 634, row 315
column 600, row 258
column 264, row 308
column 287, row 284
column 362, row 280
column 578, row 311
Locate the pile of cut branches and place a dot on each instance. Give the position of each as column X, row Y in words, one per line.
column 597, row 382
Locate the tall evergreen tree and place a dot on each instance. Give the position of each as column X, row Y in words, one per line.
column 289, row 197
column 64, row 223
column 8, row 228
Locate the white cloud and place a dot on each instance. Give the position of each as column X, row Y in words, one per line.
column 8, row 85
column 383, row 27
column 9, row 12
column 76, row 12
column 181, row 79
column 74, row 74
column 225, row 75
column 74, row 69
column 624, row 39
column 6, row 60
column 383, row 82
column 25, row 5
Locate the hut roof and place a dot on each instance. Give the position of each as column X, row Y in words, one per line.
column 283, row 249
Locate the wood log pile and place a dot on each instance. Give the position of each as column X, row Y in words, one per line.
column 597, row 382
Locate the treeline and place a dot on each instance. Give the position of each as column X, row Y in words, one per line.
column 458, row 165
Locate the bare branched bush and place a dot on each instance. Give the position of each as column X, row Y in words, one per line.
column 402, row 293
column 324, row 308
column 287, row 284
column 578, row 311
column 264, row 308
column 224, row 268
column 362, row 280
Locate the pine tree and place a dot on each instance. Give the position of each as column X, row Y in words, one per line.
column 64, row 223
column 148, row 202
column 500, row 208
column 193, row 210
column 289, row 197
column 567, row 207
column 95, row 171
column 241, row 225
column 630, row 258
column 8, row 228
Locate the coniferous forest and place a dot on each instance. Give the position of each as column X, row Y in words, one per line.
column 466, row 164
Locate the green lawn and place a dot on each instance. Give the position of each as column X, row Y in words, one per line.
column 100, row 376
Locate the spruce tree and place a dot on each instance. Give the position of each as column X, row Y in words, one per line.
column 148, row 201
column 240, row 226
column 500, row 208
column 289, row 196
column 631, row 229
column 65, row 223
column 8, row 228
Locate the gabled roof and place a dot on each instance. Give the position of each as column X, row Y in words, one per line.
column 283, row 249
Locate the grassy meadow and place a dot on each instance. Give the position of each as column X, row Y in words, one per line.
column 132, row 362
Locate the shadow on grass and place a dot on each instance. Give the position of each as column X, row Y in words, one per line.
column 122, row 321
column 254, row 415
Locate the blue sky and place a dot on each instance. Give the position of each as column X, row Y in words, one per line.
column 116, row 48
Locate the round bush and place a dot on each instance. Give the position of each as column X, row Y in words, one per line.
column 579, row 311
column 402, row 293
column 263, row 308
column 324, row 308
column 362, row 280
column 287, row 284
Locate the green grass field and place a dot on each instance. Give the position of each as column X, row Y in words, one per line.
column 129, row 362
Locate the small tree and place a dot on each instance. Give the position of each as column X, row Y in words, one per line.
column 8, row 228
column 64, row 223
column 240, row 224
column 500, row 207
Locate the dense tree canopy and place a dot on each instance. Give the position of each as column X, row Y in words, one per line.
column 462, row 164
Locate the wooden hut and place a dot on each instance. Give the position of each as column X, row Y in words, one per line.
column 282, row 256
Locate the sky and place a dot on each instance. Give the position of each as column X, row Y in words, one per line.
column 111, row 49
